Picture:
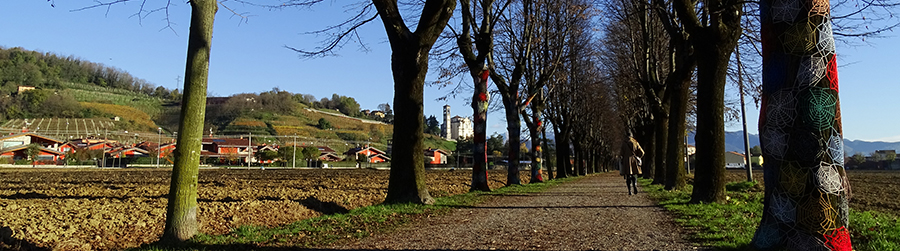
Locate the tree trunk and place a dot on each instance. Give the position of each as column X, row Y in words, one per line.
column 576, row 155
column 534, row 130
column 514, row 129
column 546, row 144
column 713, row 33
column 660, row 147
column 807, row 190
column 409, row 65
column 181, row 209
column 562, row 155
column 675, row 155
column 709, row 179
column 647, row 141
column 475, row 59
column 480, row 106
column 407, row 180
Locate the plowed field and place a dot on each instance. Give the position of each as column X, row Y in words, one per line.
column 870, row 190
column 91, row 209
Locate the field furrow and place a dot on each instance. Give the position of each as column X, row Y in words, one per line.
column 93, row 209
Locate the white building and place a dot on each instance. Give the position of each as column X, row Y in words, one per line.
column 461, row 127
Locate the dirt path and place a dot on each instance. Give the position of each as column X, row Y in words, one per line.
column 594, row 213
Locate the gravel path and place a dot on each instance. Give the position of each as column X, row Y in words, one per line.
column 593, row 213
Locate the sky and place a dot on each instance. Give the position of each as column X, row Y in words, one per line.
column 249, row 56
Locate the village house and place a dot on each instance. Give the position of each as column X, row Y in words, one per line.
column 162, row 150
column 328, row 154
column 240, row 149
column 372, row 154
column 266, row 148
column 734, row 160
column 436, row 156
column 128, row 151
column 15, row 147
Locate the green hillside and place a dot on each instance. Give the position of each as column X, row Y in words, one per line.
column 76, row 98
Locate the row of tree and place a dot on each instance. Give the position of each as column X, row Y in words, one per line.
column 20, row 67
column 43, row 104
column 547, row 65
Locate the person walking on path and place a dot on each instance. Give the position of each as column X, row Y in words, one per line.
column 631, row 162
column 590, row 213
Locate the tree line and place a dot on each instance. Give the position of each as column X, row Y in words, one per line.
column 20, row 67
column 647, row 65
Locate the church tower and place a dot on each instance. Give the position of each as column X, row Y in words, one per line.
column 445, row 127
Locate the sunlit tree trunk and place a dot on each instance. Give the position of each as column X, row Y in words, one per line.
column 480, row 106
column 181, row 211
column 475, row 43
column 535, row 126
column 409, row 65
column 709, row 180
column 806, row 197
column 675, row 155
column 513, row 129
column 713, row 33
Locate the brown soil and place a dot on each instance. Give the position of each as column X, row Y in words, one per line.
column 870, row 190
column 91, row 209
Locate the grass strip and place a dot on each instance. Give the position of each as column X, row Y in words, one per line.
column 357, row 223
column 731, row 225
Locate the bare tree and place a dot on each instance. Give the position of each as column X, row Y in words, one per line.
column 409, row 65
column 551, row 32
column 181, row 213
column 475, row 42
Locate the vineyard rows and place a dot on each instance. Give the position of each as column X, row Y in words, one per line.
column 62, row 128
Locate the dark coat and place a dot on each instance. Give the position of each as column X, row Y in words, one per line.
column 630, row 150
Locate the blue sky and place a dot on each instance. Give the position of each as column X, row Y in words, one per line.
column 249, row 56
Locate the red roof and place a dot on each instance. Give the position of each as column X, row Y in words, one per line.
column 227, row 142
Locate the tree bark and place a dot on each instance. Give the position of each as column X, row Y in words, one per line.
column 409, row 65
column 562, row 155
column 181, row 209
column 709, row 179
column 514, row 130
column 580, row 168
column 661, row 125
column 534, row 130
column 647, row 140
column 807, row 191
column 475, row 59
column 546, row 143
column 713, row 41
column 480, row 106
column 680, row 82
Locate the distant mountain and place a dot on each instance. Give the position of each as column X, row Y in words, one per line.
column 867, row 147
column 734, row 141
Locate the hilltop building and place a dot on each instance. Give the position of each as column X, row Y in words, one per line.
column 456, row 127
column 461, row 127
